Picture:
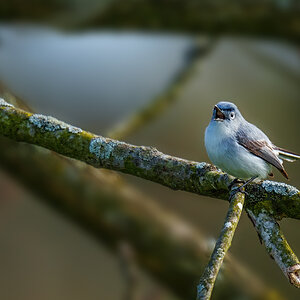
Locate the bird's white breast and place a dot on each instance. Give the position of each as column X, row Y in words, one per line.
column 216, row 136
column 225, row 152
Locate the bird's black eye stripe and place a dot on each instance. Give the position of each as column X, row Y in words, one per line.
column 228, row 110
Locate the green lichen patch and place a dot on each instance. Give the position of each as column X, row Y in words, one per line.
column 4, row 103
column 108, row 152
column 98, row 148
column 51, row 124
column 228, row 225
column 279, row 188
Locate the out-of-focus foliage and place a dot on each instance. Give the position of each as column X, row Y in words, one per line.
column 264, row 17
column 31, row 9
column 279, row 18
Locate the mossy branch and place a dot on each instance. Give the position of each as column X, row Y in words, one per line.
column 279, row 199
column 52, row 177
column 207, row 281
column 165, row 246
column 145, row 162
column 276, row 244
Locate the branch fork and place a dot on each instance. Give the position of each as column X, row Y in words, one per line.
column 266, row 202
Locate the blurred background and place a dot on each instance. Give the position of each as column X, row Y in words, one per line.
column 147, row 72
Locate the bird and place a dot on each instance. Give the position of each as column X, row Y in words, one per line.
column 240, row 148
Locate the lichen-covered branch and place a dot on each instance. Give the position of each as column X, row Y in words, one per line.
column 91, row 198
column 165, row 246
column 277, row 246
column 144, row 162
column 207, row 281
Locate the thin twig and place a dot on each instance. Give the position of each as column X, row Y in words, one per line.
column 207, row 281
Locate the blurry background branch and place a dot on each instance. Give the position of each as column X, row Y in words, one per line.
column 264, row 18
column 98, row 200
column 272, row 18
column 158, row 105
column 129, row 270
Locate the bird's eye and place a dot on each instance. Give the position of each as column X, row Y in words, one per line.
column 232, row 115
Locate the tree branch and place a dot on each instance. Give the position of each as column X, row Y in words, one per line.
column 145, row 162
column 207, row 281
column 129, row 271
column 65, row 183
column 166, row 246
column 277, row 246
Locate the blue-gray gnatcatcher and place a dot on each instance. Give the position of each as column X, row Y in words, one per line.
column 240, row 148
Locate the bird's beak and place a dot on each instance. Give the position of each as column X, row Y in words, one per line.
column 219, row 116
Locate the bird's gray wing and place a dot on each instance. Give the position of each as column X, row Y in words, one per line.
column 261, row 148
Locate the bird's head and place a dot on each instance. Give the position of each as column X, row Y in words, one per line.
column 227, row 113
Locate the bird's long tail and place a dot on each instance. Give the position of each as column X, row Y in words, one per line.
column 286, row 154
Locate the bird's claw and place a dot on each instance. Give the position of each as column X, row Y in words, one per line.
column 239, row 189
column 242, row 190
column 234, row 182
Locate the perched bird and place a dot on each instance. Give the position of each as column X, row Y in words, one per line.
column 240, row 148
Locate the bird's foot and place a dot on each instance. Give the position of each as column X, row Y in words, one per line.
column 238, row 189
column 241, row 188
column 234, row 182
